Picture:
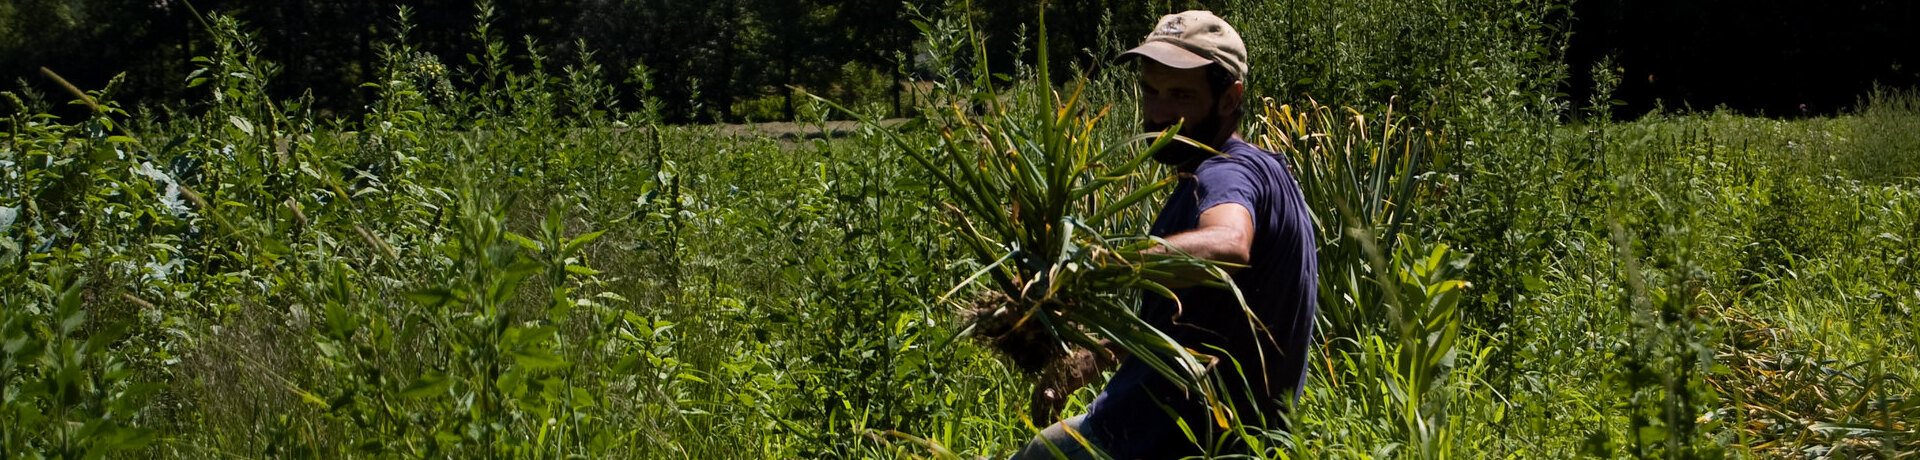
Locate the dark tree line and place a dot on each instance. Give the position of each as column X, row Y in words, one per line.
column 730, row 60
column 709, row 60
column 1756, row 56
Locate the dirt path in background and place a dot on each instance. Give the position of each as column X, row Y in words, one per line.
column 788, row 130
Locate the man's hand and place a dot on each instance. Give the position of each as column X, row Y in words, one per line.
column 1062, row 379
column 1066, row 376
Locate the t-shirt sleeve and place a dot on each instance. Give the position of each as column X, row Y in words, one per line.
column 1224, row 180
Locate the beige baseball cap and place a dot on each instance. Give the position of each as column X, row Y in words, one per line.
column 1193, row 39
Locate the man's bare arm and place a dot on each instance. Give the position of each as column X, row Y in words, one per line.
column 1224, row 234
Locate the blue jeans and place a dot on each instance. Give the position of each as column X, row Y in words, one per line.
column 1057, row 435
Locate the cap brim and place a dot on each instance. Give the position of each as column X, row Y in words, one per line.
column 1168, row 54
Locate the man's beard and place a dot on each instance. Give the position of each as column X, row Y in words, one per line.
column 1180, row 154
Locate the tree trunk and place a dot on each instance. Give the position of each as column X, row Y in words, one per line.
column 730, row 15
column 895, row 73
column 786, row 80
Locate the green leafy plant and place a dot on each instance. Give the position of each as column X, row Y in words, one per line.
column 1356, row 173
column 64, row 390
column 1389, row 300
column 1030, row 193
column 772, row 294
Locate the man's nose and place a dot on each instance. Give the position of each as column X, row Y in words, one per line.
column 1160, row 113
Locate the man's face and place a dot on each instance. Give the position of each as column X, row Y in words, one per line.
column 1169, row 95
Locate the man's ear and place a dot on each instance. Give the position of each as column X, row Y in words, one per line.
column 1231, row 99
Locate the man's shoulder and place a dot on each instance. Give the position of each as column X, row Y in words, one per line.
column 1239, row 154
column 1237, row 146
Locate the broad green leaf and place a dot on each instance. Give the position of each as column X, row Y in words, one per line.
column 432, row 297
column 242, row 123
column 575, row 244
column 433, row 383
column 538, row 360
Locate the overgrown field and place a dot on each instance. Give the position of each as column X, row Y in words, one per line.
column 498, row 260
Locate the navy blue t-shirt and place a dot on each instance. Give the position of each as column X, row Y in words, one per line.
column 1280, row 288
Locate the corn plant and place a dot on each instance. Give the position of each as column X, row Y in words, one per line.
column 1423, row 295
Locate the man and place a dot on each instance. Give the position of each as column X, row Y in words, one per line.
column 1243, row 208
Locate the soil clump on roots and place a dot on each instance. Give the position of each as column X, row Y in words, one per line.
column 1022, row 339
